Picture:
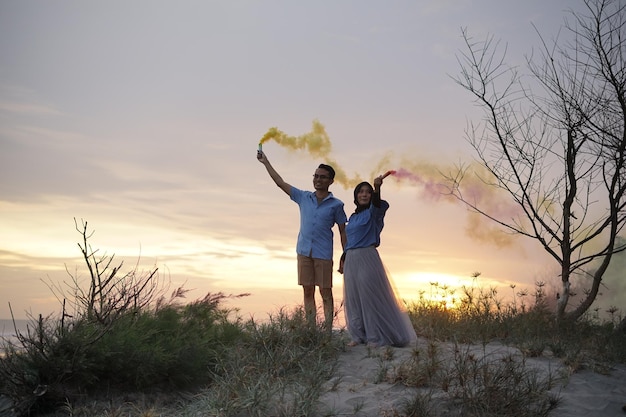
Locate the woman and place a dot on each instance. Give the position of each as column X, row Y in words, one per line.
column 373, row 314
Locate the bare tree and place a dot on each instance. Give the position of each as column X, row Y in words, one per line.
column 555, row 143
column 109, row 292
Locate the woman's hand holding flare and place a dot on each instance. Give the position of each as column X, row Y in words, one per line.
column 378, row 181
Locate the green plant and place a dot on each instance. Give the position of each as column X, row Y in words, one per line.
column 121, row 336
column 279, row 367
column 502, row 386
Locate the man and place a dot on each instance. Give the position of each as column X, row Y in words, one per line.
column 319, row 212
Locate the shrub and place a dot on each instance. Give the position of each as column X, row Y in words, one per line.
column 123, row 334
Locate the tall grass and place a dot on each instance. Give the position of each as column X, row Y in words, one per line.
column 148, row 356
column 278, row 368
column 481, row 316
column 199, row 359
column 483, row 384
column 170, row 348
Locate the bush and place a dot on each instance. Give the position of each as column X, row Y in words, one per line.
column 123, row 334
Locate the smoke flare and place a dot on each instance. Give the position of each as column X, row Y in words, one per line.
column 317, row 144
column 426, row 176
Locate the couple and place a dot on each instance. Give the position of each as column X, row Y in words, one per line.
column 373, row 314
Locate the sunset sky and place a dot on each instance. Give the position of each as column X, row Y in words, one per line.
column 143, row 118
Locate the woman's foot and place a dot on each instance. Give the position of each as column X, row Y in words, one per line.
column 353, row 344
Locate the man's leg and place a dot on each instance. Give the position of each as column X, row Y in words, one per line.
column 329, row 307
column 306, row 278
column 324, row 279
column 309, row 303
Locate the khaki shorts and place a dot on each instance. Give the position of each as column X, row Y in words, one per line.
column 315, row 272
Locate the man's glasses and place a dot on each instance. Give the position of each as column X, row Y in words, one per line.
column 321, row 177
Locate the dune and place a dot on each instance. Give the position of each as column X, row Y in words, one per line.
column 362, row 385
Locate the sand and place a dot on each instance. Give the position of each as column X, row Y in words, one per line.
column 362, row 387
column 363, row 383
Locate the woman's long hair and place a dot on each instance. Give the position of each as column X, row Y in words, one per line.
column 361, row 207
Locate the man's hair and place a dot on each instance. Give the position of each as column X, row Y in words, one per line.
column 330, row 170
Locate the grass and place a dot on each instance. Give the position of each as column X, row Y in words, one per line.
column 278, row 368
column 199, row 360
column 147, row 356
column 180, row 360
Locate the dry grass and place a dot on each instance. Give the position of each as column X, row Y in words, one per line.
column 283, row 365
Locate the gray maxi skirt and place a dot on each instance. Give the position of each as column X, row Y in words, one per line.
column 373, row 313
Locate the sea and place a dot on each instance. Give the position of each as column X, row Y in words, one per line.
column 8, row 329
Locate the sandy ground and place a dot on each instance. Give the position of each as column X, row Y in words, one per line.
column 363, row 384
column 358, row 389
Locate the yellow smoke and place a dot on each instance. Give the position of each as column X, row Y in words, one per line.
column 480, row 228
column 317, row 144
column 426, row 175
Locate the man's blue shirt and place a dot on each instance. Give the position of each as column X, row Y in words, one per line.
column 315, row 237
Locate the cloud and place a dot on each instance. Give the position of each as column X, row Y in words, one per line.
column 27, row 109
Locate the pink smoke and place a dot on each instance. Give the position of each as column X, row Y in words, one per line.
column 431, row 188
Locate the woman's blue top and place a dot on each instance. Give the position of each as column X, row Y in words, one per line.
column 363, row 228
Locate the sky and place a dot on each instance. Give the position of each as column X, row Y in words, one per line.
column 143, row 119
